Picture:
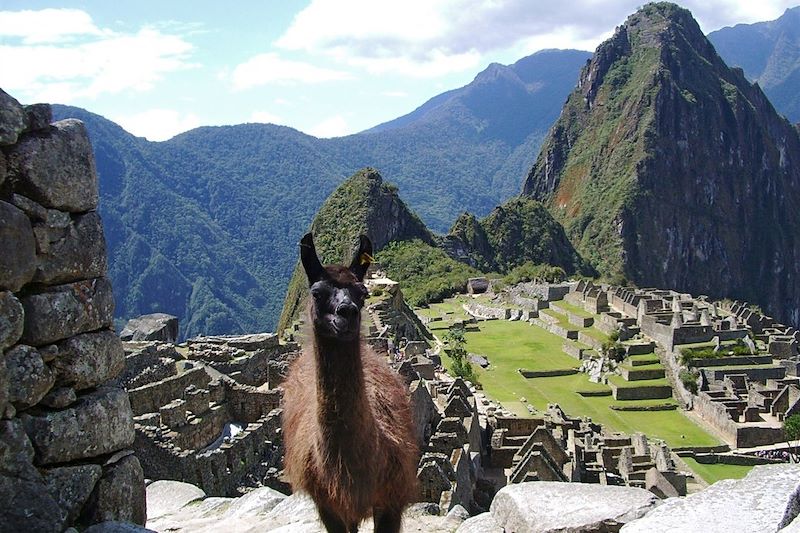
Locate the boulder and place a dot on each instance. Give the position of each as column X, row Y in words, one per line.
column 57, row 170
column 16, row 233
column 153, row 327
column 29, row 378
column 767, row 499
column 112, row 526
column 12, row 119
column 59, row 398
column 11, row 320
column 61, row 311
column 39, row 116
column 71, row 486
column 165, row 497
column 69, row 248
column 89, row 359
column 549, row 506
column 120, row 494
column 27, row 503
column 482, row 523
column 98, row 423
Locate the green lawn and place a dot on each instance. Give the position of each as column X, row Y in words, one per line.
column 513, row 345
column 715, row 472
column 562, row 320
column 648, row 357
column 575, row 310
column 620, row 382
column 595, row 334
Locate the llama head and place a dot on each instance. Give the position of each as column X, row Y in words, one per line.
column 337, row 291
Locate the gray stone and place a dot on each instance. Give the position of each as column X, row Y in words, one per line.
column 4, row 392
column 458, row 512
column 258, row 501
column 659, row 485
column 39, row 116
column 57, row 170
column 27, row 504
column 164, row 497
column 119, row 495
column 12, row 119
column 546, row 506
column 3, row 168
column 153, row 327
column 11, row 320
column 17, row 268
column 70, row 253
column 71, row 486
column 89, row 359
column 100, row 422
column 62, row 311
column 59, row 398
column 29, row 377
column 112, row 526
column 34, row 211
column 482, row 523
column 767, row 499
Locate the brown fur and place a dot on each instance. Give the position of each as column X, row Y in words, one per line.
column 348, row 429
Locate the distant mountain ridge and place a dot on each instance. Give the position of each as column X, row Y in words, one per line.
column 769, row 53
column 205, row 225
column 669, row 169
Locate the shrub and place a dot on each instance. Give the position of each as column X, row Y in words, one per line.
column 461, row 366
column 689, row 380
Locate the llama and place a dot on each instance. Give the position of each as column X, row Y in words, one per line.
column 347, row 424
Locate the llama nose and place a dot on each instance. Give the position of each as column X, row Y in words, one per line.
column 347, row 310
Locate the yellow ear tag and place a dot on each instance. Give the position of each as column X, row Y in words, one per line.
column 366, row 259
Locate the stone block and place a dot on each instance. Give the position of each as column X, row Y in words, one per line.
column 173, row 415
column 59, row 398
column 71, row 486
column 89, row 359
column 16, row 234
column 153, row 327
column 29, row 378
column 39, row 116
column 62, row 311
column 12, row 119
column 57, row 170
column 165, row 497
column 100, row 422
column 197, row 400
column 119, row 495
column 11, row 320
column 3, row 168
column 72, row 251
column 27, row 504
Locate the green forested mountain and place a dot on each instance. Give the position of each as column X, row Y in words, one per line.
column 769, row 53
column 671, row 169
column 205, row 225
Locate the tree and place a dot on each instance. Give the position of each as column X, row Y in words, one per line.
column 461, row 366
column 791, row 428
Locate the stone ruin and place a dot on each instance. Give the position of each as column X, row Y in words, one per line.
column 66, row 430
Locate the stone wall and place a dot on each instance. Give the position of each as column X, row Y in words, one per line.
column 65, row 431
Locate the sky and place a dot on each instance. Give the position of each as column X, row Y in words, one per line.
column 325, row 67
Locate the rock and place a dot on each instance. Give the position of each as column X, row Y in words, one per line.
column 59, row 398
column 659, row 485
column 27, row 504
column 4, row 392
column 11, row 320
column 71, row 486
column 62, row 311
column 57, row 170
column 119, row 495
column 3, row 168
column 16, row 233
column 113, row 526
column 423, row 508
column 548, row 506
column 164, row 497
column 39, row 116
column 100, row 422
column 28, row 377
column 482, row 523
column 72, row 251
column 257, row 502
column 153, row 327
column 12, row 119
column 34, row 211
column 89, row 359
column 458, row 512
column 767, row 499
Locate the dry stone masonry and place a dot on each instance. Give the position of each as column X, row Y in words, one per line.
column 66, row 431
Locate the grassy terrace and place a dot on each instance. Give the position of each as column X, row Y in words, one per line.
column 513, row 345
column 715, row 472
column 574, row 309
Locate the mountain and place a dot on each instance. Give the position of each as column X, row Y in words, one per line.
column 769, row 53
column 205, row 225
column 670, row 169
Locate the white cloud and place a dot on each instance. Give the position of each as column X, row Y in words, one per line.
column 395, row 94
column 157, row 124
column 265, row 117
column 335, row 126
column 47, row 25
column 48, row 67
column 268, row 68
column 430, row 38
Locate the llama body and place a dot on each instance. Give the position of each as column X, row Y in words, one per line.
column 348, row 429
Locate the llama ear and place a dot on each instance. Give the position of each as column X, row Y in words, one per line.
column 308, row 256
column 362, row 258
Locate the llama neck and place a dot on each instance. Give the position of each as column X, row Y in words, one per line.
column 341, row 396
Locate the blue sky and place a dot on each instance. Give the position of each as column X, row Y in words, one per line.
column 325, row 67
